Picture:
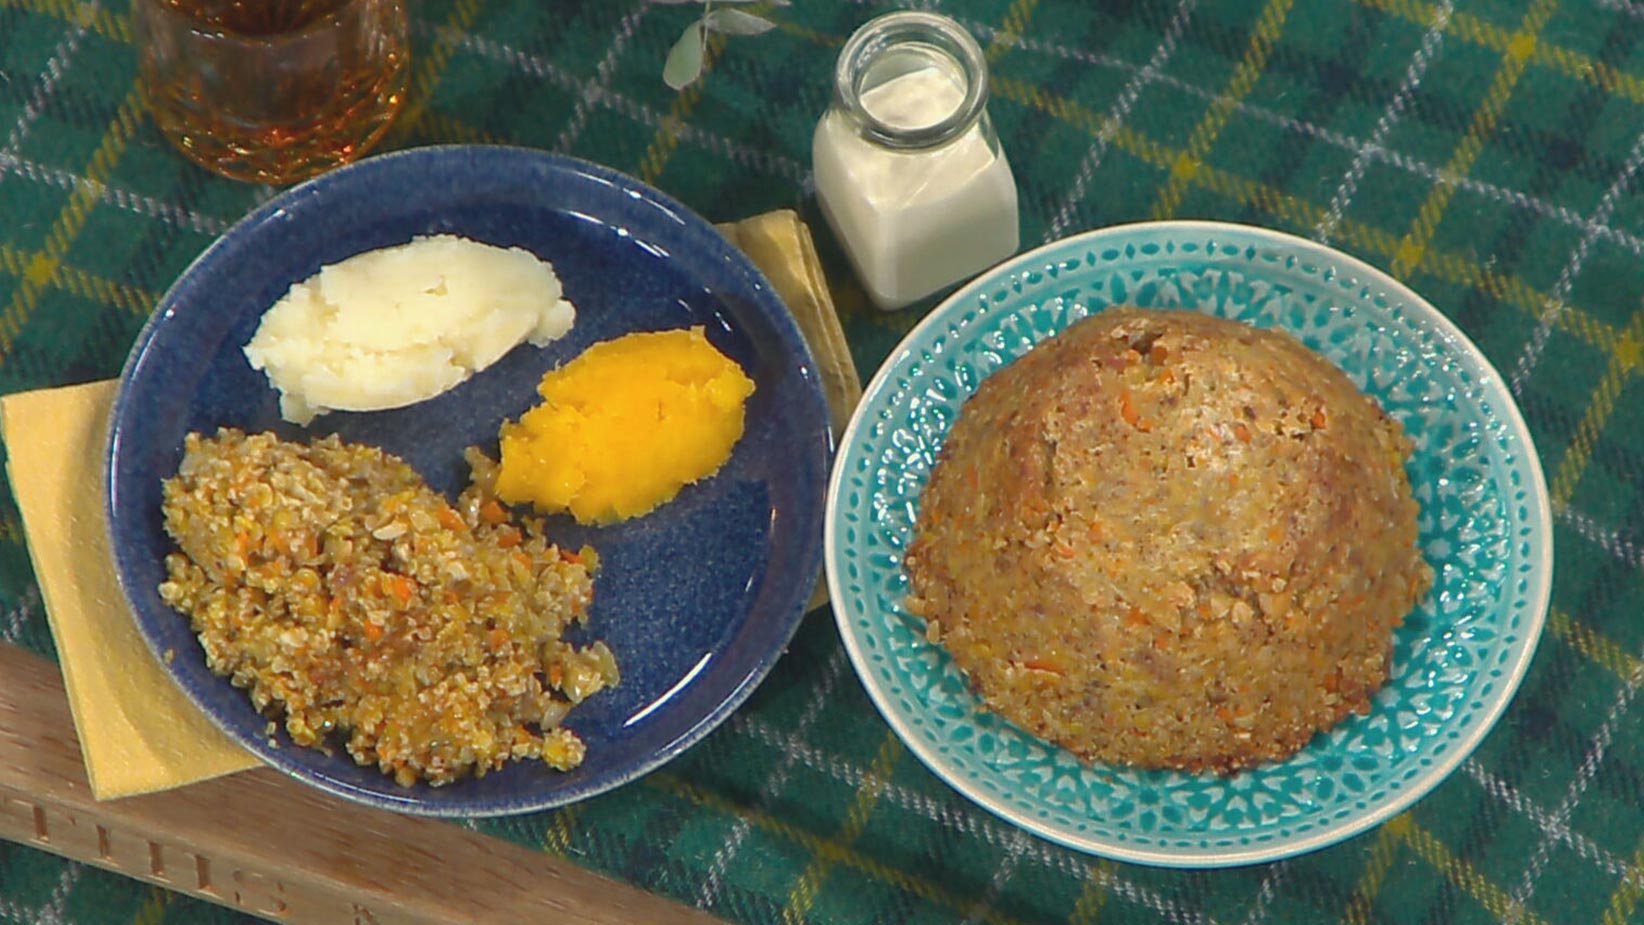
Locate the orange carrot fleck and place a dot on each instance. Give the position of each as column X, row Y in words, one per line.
column 498, row 637
column 1241, row 431
column 508, row 537
column 1319, row 420
column 399, row 586
column 491, row 512
column 1127, row 410
column 373, row 631
column 450, row 519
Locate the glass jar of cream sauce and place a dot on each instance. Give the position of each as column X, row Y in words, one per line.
column 909, row 172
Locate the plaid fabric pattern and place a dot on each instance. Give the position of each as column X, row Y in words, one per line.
column 1485, row 151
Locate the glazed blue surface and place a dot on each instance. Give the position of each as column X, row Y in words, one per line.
column 697, row 599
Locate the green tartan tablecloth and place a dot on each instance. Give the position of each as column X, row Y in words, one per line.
column 1484, row 151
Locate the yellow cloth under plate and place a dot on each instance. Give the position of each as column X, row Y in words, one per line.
column 138, row 732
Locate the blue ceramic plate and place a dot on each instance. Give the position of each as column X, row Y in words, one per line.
column 697, row 600
column 1458, row 658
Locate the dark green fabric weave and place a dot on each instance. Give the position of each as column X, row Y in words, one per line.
column 1485, row 151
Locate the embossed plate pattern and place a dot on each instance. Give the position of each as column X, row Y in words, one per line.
column 1458, row 658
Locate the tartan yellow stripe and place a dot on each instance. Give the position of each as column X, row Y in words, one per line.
column 1596, row 647
column 1011, row 28
column 1493, row 898
column 1561, row 60
column 804, row 889
column 1580, row 67
column 561, row 828
column 42, row 269
column 153, row 910
column 1365, row 240
column 1624, row 361
column 98, row 18
column 1375, row 870
column 79, row 282
column 439, row 127
column 666, row 140
column 1624, row 901
column 1483, row 124
column 1204, row 135
column 427, row 72
column 1095, row 894
column 817, row 846
column 805, row 34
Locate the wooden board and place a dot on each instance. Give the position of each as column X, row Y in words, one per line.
column 262, row 843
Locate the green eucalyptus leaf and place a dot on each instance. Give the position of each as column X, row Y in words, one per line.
column 736, row 22
column 684, row 64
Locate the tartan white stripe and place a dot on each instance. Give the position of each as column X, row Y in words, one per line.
column 1275, row 875
column 1560, row 819
column 602, row 78
column 1552, row 828
column 15, row 618
column 1001, row 876
column 744, row 155
column 832, row 671
column 55, row 66
column 1633, row 244
column 1116, row 116
column 997, row 835
column 1614, row 542
column 167, row 212
column 1430, row 45
column 1623, row 7
column 1557, row 305
column 53, row 912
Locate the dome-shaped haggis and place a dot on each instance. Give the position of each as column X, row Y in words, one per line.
column 1170, row 540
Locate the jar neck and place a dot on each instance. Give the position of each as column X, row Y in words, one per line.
column 945, row 71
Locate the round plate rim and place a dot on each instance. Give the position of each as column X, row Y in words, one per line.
column 810, row 559
column 1540, row 595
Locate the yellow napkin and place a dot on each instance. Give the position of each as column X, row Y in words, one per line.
column 138, row 732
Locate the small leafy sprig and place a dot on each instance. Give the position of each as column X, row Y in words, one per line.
column 684, row 64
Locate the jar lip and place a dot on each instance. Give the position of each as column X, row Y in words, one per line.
column 882, row 33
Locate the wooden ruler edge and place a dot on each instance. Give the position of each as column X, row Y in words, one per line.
column 262, row 843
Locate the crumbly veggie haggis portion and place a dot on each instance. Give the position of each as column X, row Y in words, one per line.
column 1170, row 540
column 353, row 602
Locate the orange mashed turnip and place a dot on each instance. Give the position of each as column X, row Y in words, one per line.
column 624, row 426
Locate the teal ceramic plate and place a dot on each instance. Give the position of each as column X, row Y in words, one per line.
column 1485, row 526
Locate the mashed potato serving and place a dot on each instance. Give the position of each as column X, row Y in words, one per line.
column 398, row 325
